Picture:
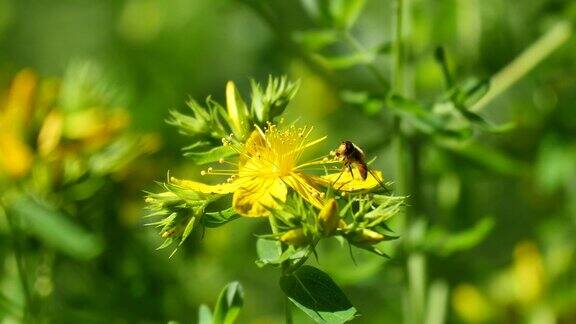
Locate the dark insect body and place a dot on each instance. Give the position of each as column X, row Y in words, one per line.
column 352, row 155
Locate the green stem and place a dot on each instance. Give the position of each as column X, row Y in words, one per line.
column 406, row 151
column 287, row 310
column 18, row 254
column 285, row 270
column 525, row 62
column 398, row 49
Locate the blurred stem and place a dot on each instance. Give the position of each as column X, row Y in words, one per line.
column 400, row 145
column 416, row 265
column 285, row 270
column 407, row 149
column 287, row 310
column 525, row 62
column 398, row 49
column 19, row 256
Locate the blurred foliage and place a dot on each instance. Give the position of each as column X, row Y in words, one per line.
column 492, row 231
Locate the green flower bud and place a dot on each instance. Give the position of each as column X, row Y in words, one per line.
column 365, row 237
column 328, row 217
column 295, row 237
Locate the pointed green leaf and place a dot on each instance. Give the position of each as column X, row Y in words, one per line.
column 187, row 230
column 315, row 293
column 219, row 218
column 314, row 40
column 268, row 250
column 204, row 315
column 229, row 303
column 209, row 156
column 54, row 228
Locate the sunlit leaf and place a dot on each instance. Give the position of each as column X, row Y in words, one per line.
column 204, row 315
column 229, row 303
column 447, row 243
column 212, row 155
column 315, row 293
column 314, row 40
column 219, row 218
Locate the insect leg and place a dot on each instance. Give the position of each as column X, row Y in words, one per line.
column 379, row 181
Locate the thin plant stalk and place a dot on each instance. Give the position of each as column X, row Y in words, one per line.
column 525, row 62
column 18, row 254
column 285, row 269
column 405, row 170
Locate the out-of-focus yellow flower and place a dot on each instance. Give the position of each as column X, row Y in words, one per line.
column 50, row 133
column 16, row 111
column 16, row 156
column 470, row 304
column 66, row 139
column 528, row 273
column 268, row 165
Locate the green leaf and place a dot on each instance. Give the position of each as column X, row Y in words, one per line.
column 229, row 303
column 166, row 243
column 209, row 156
column 219, row 218
column 347, row 12
column 485, row 157
column 423, row 119
column 269, row 102
column 341, row 14
column 187, row 230
column 54, row 228
column 7, row 306
column 204, row 315
column 267, row 250
column 314, row 40
column 347, row 61
column 472, row 91
column 448, row 243
column 314, row 292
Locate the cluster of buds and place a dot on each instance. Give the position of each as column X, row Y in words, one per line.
column 360, row 221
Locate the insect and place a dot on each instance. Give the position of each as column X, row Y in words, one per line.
column 353, row 156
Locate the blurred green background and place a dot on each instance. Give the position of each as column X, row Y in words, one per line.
column 493, row 219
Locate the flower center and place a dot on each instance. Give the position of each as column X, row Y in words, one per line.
column 274, row 152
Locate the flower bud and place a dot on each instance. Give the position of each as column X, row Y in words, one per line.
column 295, row 237
column 328, row 217
column 366, row 236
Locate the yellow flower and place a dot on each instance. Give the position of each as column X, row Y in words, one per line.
column 268, row 167
column 16, row 156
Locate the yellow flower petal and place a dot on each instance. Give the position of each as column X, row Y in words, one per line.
column 223, row 188
column 346, row 182
column 15, row 155
column 50, row 133
column 18, row 107
column 304, row 186
column 253, row 145
column 255, row 194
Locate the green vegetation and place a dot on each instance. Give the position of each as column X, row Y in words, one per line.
column 220, row 123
